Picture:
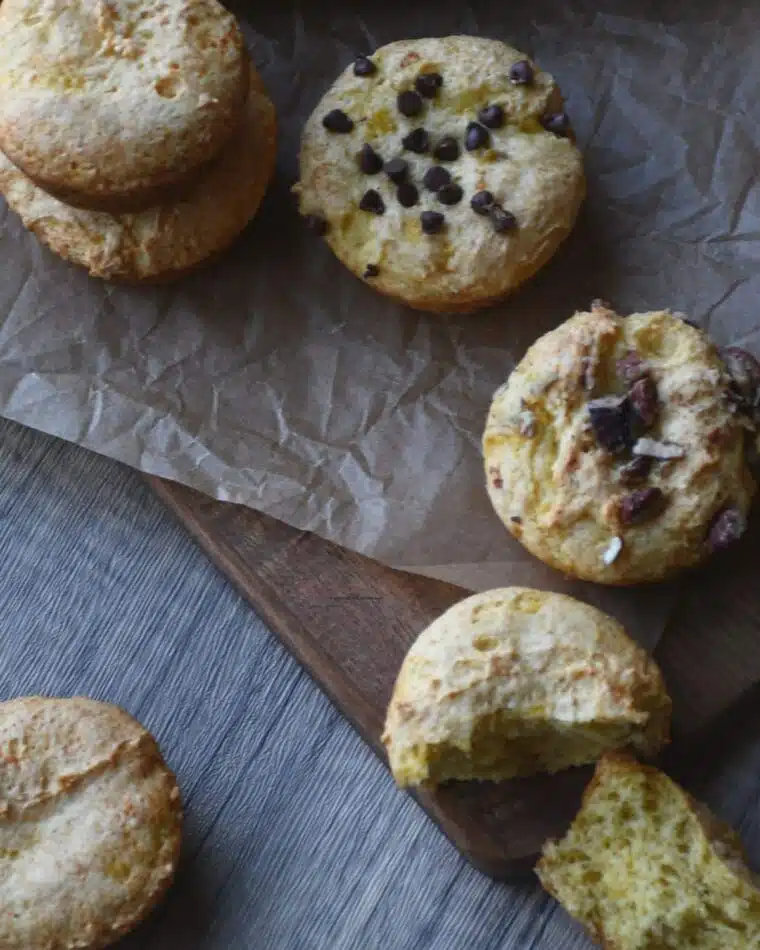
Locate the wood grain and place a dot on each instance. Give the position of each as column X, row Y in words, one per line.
column 349, row 621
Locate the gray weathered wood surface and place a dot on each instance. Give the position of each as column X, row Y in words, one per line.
column 296, row 838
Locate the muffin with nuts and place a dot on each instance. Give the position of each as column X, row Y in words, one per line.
column 442, row 171
column 622, row 449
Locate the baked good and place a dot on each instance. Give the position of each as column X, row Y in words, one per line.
column 167, row 241
column 516, row 681
column 107, row 103
column 90, row 822
column 616, row 450
column 645, row 867
column 442, row 171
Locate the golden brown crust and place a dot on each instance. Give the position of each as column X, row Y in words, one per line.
column 139, row 99
column 536, row 175
column 169, row 241
column 90, row 824
column 516, row 681
column 563, row 494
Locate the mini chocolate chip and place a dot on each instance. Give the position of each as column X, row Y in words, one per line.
column 363, row 66
column 481, row 202
column 447, row 150
column 644, row 402
column 372, row 201
column 409, row 103
column 631, row 368
column 492, row 117
column 516, row 519
column 502, row 221
column 407, row 194
column 558, row 123
column 609, row 417
column 432, row 222
column 727, row 527
column 641, row 505
column 637, row 469
column 369, row 161
column 450, row 194
column 418, row 141
column 435, row 178
column 477, row 136
column 316, row 224
column 428, row 84
column 372, row 270
column 521, row 73
column 397, row 170
column 338, row 121
column 744, row 371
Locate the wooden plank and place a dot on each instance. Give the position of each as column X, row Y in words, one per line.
column 349, row 621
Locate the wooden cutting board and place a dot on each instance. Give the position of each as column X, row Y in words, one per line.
column 349, row 621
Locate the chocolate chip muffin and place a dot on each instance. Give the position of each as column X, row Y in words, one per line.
column 90, row 824
column 619, row 449
column 442, row 171
column 109, row 105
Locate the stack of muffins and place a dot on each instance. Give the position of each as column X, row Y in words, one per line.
column 136, row 137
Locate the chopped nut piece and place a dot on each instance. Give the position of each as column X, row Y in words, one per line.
column 644, row 401
column 631, row 368
column 641, row 506
column 612, row 551
column 727, row 527
column 659, row 450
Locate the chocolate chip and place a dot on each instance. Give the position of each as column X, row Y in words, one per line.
column 637, row 469
column 369, row 161
column 515, row 519
column 450, row 194
column 558, row 123
column 641, row 505
column 432, row 222
column 447, row 150
column 428, row 84
column 435, row 178
column 316, row 224
column 338, row 121
column 492, row 117
column 481, row 202
column 372, row 270
column 409, row 103
column 727, row 527
column 363, row 66
column 521, row 73
column 407, row 194
column 372, row 201
column 644, row 402
column 744, row 371
column 417, row 141
column 397, row 170
column 477, row 136
column 502, row 221
column 609, row 417
column 631, row 368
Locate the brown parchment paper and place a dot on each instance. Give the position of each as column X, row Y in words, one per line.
column 277, row 380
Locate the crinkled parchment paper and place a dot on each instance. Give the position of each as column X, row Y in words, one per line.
column 277, row 380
